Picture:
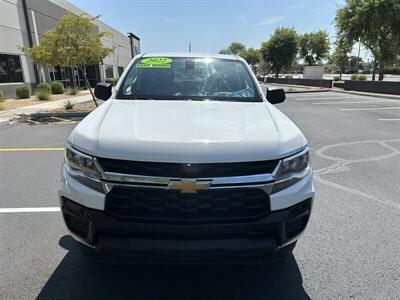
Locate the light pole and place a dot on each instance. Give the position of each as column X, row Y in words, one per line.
column 131, row 37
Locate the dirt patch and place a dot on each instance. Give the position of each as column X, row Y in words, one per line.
column 17, row 103
column 80, row 107
column 12, row 104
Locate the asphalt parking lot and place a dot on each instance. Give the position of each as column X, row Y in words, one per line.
column 350, row 250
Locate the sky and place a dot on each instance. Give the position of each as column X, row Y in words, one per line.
column 210, row 25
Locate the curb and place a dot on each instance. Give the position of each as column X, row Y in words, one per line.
column 376, row 95
column 67, row 115
column 310, row 91
column 306, row 88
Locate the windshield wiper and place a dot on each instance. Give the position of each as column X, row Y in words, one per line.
column 129, row 97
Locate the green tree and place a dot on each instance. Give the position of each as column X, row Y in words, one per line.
column 224, row 51
column 234, row 48
column 72, row 43
column 313, row 47
column 280, row 50
column 375, row 24
column 252, row 56
column 263, row 67
column 340, row 56
column 355, row 61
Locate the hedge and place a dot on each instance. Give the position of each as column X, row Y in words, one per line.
column 23, row 92
column 43, row 87
column 57, row 87
column 113, row 81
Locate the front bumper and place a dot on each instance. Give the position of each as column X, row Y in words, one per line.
column 89, row 223
column 108, row 235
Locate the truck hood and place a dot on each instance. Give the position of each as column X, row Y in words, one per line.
column 187, row 131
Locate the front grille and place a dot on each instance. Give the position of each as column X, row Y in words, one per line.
column 179, row 170
column 168, row 206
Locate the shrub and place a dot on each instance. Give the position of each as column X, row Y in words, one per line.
column 362, row 77
column 23, row 92
column 336, row 78
column 57, row 87
column 72, row 91
column 353, row 76
column 42, row 95
column 43, row 87
column 2, row 106
column 69, row 104
column 392, row 70
column 113, row 81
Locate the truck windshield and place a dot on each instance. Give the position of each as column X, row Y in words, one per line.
column 179, row 78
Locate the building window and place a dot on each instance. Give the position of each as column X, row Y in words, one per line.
column 120, row 71
column 10, row 68
column 109, row 71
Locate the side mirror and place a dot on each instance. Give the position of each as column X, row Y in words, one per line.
column 276, row 96
column 103, row 90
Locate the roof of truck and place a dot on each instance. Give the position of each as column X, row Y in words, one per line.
column 191, row 54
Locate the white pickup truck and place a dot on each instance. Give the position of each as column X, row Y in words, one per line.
column 187, row 159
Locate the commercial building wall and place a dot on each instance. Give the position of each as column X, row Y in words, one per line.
column 13, row 34
column 43, row 15
column 120, row 41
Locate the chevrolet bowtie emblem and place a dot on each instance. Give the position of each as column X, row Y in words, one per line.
column 188, row 185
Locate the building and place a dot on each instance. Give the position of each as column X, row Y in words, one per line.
column 18, row 17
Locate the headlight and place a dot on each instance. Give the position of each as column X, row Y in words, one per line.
column 296, row 163
column 291, row 170
column 79, row 161
column 83, row 168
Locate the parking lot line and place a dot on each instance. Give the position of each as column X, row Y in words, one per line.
column 28, row 209
column 356, row 192
column 352, row 102
column 32, row 149
column 388, row 119
column 321, row 98
column 369, row 108
column 64, row 121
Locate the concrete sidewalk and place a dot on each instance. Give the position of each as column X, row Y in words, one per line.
column 309, row 89
column 294, row 88
column 376, row 95
column 7, row 116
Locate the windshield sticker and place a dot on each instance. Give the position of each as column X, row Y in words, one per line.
column 155, row 62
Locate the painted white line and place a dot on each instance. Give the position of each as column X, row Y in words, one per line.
column 353, row 102
column 32, row 149
column 28, row 209
column 357, row 193
column 322, row 99
column 388, row 119
column 369, row 108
